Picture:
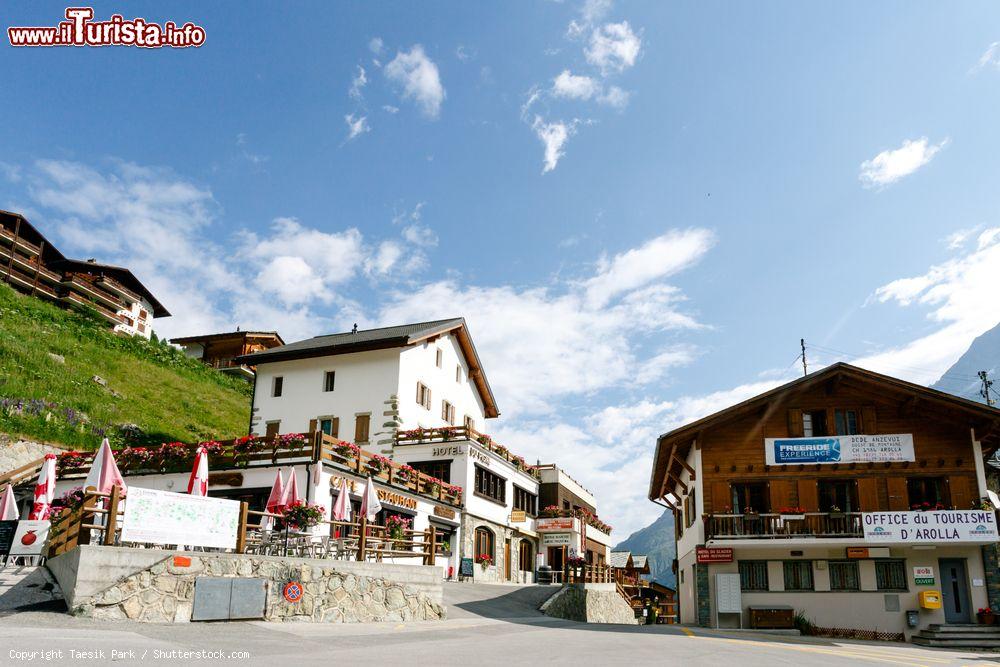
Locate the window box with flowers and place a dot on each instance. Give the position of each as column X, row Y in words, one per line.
column 174, row 456
column 136, row 458
column 835, row 512
column 550, row 512
column 485, row 560
column 434, row 485
column 792, row 513
column 575, row 564
column 347, row 450
column 291, row 441
column 986, row 616
column 377, row 464
column 301, row 515
column 244, row 448
column 70, row 461
column 453, row 490
column 397, row 526
column 519, row 462
column 405, row 474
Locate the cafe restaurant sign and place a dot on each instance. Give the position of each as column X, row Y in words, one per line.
column 554, row 524
column 839, row 449
column 934, row 526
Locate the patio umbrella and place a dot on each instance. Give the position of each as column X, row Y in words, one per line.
column 45, row 489
column 342, row 507
column 104, row 473
column 8, row 508
column 370, row 506
column 291, row 491
column 273, row 504
column 198, row 482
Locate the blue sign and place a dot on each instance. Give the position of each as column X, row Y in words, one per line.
column 806, row 450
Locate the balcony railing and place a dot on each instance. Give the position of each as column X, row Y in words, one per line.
column 423, row 436
column 778, row 526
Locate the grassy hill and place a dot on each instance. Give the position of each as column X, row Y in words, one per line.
column 149, row 384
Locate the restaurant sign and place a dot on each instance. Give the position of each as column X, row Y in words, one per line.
column 557, row 539
column 554, row 524
column 397, row 499
column 714, row 554
column 839, row 449
column 934, row 526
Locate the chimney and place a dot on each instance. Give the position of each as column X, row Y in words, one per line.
column 355, row 329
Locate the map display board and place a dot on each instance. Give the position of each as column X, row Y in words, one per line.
column 162, row 517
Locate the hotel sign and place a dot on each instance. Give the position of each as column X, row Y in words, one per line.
column 713, row 554
column 839, row 449
column 554, row 525
column 925, row 527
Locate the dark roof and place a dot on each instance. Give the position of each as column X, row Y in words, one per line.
column 686, row 433
column 620, row 559
column 228, row 334
column 28, row 232
column 380, row 339
column 119, row 273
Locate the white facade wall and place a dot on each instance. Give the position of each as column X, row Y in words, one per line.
column 364, row 381
column 556, row 475
column 133, row 312
column 419, row 364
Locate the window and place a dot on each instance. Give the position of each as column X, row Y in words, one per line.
column 447, row 412
column 846, row 422
column 844, row 575
column 491, row 486
column 484, row 542
column 423, row 395
column 926, row 492
column 330, row 426
column 814, row 424
column 840, row 493
column 361, row 426
column 753, row 575
column 525, row 500
column 470, row 423
column 277, row 384
column 890, row 575
column 458, row 373
column 752, row 495
column 439, row 469
column 328, row 380
column 798, row 575
column 272, row 428
column 438, row 356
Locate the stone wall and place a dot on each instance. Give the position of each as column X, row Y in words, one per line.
column 590, row 603
column 334, row 591
column 991, row 566
column 495, row 572
column 703, row 598
column 15, row 453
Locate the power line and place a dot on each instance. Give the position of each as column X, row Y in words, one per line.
column 987, row 387
column 912, row 369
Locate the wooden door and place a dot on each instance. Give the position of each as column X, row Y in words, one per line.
column 362, row 424
column 899, row 498
column 506, row 560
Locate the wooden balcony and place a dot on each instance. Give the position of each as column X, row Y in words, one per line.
column 7, row 236
column 783, row 527
column 27, row 283
column 27, row 265
column 93, row 292
column 116, row 287
column 76, row 299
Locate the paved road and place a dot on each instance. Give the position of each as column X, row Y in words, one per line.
column 488, row 625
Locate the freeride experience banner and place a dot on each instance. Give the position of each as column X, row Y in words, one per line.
column 839, row 449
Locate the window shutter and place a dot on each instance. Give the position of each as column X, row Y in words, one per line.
column 420, row 398
column 868, row 494
column 961, row 492
column 361, row 428
column 809, row 495
column 721, row 498
column 781, row 494
column 795, row 423
column 428, row 395
column 335, row 427
column 899, row 498
column 869, row 426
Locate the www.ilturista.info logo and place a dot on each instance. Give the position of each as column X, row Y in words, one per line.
column 81, row 30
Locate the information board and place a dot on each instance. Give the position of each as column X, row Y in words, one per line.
column 162, row 517
column 977, row 526
column 466, row 568
column 7, row 529
column 728, row 598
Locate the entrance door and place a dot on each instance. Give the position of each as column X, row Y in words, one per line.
column 955, row 589
column 506, row 560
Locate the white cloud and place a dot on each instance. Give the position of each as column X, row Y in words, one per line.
column 384, row 259
column 891, row 165
column 420, row 235
column 376, row 45
column 356, row 126
column 575, row 87
column 419, row 78
column 658, row 258
column 388, row 108
column 591, row 12
column 957, row 239
column 613, row 47
column 553, row 136
column 292, row 280
column 615, row 97
column 464, row 53
column 962, row 301
column 990, row 57
column 358, row 83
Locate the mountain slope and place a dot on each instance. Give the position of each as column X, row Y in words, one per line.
column 50, row 356
column 983, row 355
column 657, row 542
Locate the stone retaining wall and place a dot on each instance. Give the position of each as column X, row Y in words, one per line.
column 15, row 453
column 590, row 603
column 333, row 591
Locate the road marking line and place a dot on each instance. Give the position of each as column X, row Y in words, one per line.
column 687, row 632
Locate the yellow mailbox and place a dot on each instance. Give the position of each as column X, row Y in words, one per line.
column 930, row 599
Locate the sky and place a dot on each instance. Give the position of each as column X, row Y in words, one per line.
column 639, row 207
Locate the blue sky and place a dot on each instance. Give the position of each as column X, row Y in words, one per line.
column 720, row 179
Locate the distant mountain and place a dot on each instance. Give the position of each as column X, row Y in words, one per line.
column 657, row 542
column 983, row 355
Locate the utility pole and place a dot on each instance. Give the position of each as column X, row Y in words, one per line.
column 987, row 387
column 805, row 367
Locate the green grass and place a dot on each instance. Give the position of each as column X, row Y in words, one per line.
column 167, row 395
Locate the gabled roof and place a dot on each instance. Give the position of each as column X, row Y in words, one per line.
column 620, row 559
column 229, row 334
column 986, row 419
column 385, row 338
column 639, row 562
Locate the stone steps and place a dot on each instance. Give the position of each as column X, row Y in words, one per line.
column 959, row 635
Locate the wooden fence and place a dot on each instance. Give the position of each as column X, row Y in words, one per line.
column 82, row 525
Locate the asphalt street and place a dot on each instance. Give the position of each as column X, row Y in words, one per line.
column 487, row 625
